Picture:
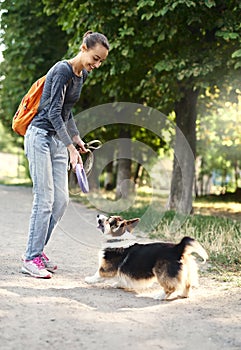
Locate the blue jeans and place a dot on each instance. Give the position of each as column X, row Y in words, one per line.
column 48, row 162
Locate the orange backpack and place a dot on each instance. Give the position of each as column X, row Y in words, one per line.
column 28, row 107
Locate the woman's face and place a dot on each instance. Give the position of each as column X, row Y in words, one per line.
column 93, row 57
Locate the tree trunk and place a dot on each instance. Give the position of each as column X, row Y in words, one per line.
column 124, row 186
column 138, row 172
column 109, row 177
column 184, row 152
column 236, row 174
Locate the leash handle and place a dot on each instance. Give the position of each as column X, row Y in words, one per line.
column 94, row 144
column 90, row 146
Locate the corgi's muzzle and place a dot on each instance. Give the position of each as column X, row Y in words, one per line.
column 100, row 226
column 101, row 222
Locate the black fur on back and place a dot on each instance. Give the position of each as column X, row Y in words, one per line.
column 139, row 260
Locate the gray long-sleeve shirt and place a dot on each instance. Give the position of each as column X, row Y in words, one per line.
column 63, row 88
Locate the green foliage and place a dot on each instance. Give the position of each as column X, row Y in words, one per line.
column 219, row 130
column 6, row 141
column 155, row 45
column 33, row 42
column 158, row 49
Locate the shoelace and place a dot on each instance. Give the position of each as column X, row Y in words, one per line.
column 38, row 261
column 44, row 256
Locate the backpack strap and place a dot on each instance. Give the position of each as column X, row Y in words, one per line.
column 43, row 105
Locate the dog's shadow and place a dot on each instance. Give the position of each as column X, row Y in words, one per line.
column 98, row 297
column 106, row 298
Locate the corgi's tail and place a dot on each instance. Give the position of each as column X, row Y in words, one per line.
column 189, row 245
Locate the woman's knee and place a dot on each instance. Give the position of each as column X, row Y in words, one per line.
column 61, row 204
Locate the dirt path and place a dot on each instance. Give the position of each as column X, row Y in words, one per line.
column 65, row 313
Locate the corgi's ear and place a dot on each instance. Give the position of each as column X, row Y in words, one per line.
column 131, row 224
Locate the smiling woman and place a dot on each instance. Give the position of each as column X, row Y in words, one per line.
column 49, row 136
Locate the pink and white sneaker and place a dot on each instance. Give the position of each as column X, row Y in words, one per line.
column 35, row 268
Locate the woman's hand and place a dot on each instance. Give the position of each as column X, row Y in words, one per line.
column 74, row 156
column 80, row 143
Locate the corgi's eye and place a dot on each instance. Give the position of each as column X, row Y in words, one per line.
column 112, row 221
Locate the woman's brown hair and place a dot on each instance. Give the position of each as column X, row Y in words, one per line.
column 90, row 39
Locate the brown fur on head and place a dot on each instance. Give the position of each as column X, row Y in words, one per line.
column 116, row 225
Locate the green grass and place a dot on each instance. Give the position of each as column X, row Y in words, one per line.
column 16, row 182
column 221, row 237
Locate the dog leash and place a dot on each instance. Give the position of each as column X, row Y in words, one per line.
column 93, row 145
column 89, row 162
column 90, row 146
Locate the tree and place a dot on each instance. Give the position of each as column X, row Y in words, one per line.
column 33, row 42
column 163, row 54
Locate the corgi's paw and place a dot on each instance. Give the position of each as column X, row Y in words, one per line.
column 159, row 296
column 117, row 285
column 93, row 279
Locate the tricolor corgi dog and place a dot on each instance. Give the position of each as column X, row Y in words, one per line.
column 138, row 265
